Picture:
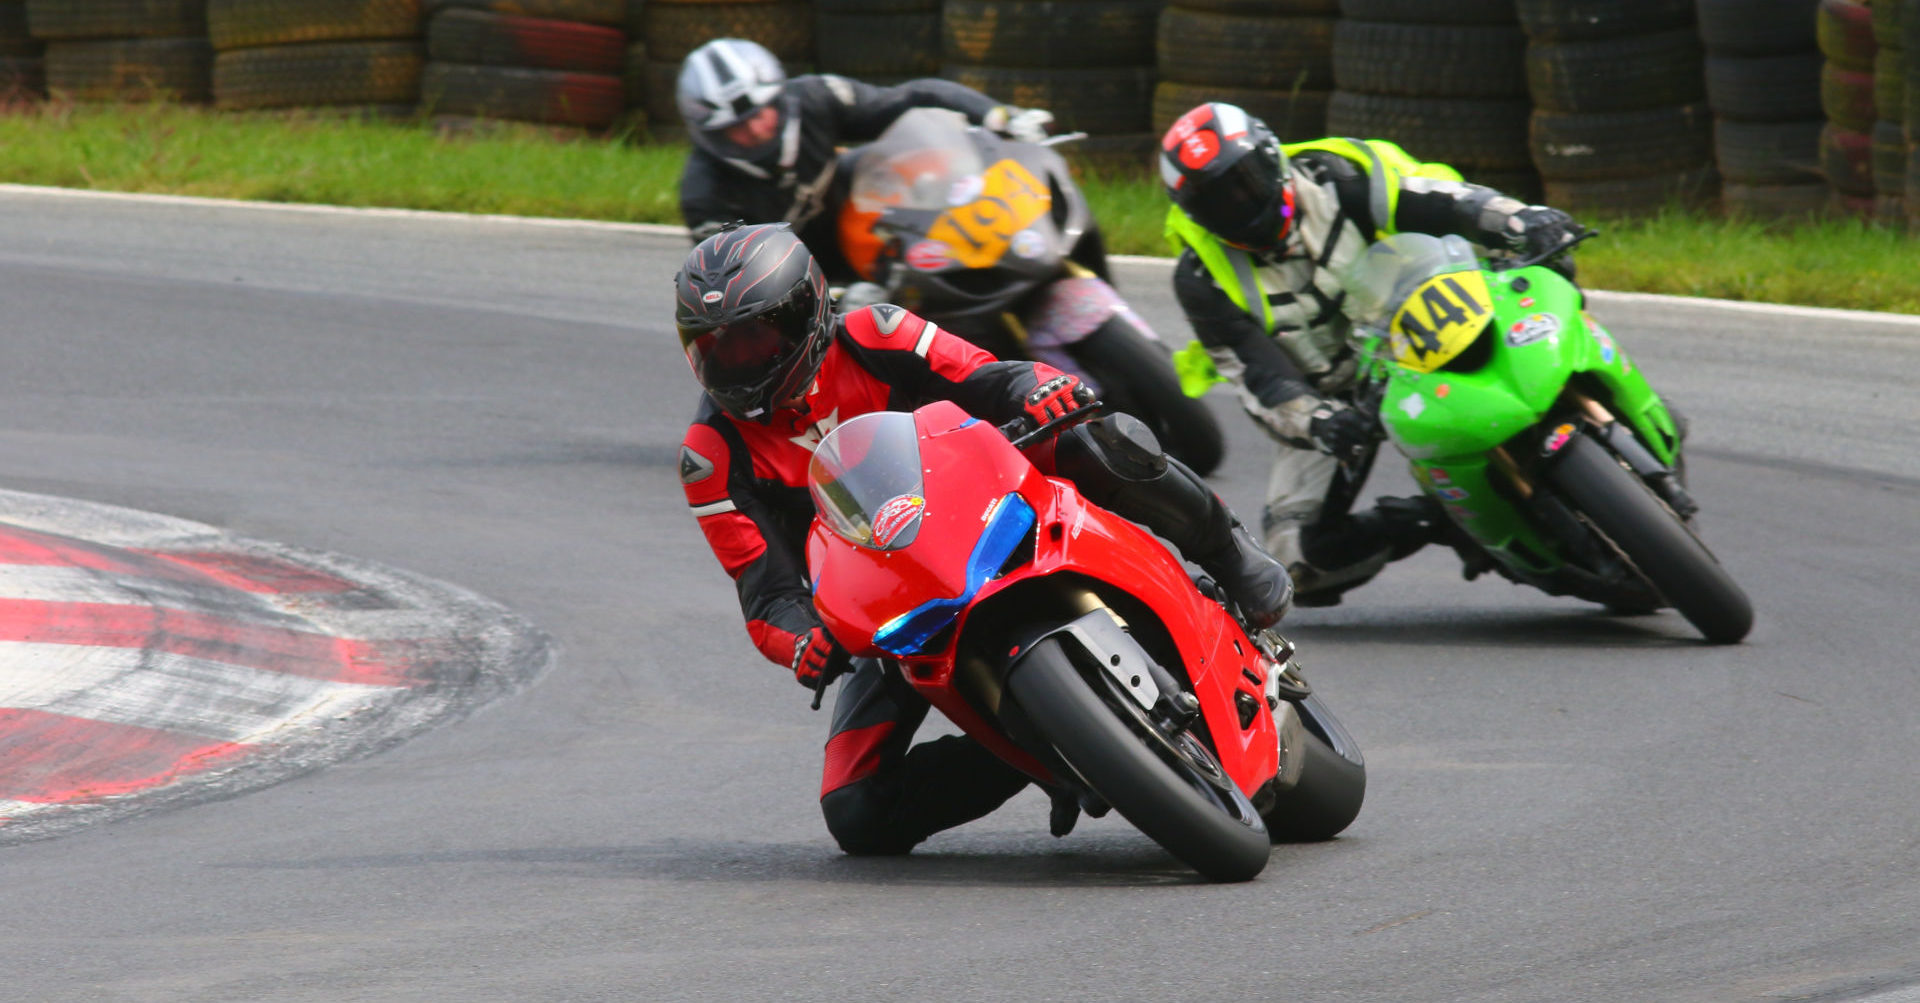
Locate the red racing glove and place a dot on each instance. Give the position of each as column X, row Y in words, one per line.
column 1057, row 398
column 818, row 658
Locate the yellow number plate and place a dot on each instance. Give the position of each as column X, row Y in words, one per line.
column 1440, row 320
column 978, row 233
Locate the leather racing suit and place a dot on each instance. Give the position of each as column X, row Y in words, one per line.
column 746, row 485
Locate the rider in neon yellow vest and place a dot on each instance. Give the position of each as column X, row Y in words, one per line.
column 1262, row 232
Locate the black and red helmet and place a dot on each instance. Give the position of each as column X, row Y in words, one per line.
column 1225, row 169
column 754, row 318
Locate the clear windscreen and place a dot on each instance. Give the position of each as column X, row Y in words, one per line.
column 923, row 161
column 866, row 480
column 1380, row 280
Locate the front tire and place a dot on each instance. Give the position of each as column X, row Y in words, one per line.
column 1647, row 532
column 1135, row 375
column 1160, row 799
column 1333, row 780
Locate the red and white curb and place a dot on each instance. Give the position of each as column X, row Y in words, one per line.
column 147, row 660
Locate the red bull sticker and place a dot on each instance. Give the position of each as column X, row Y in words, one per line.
column 1439, row 476
column 929, row 256
column 894, row 519
column 1453, row 494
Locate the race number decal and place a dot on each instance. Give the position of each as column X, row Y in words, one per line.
column 978, row 233
column 1439, row 320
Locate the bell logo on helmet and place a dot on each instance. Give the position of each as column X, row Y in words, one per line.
column 712, row 297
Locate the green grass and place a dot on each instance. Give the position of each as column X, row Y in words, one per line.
column 528, row 171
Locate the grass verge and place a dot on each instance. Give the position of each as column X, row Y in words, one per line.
column 309, row 157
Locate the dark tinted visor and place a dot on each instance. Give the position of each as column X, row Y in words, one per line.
column 745, row 353
column 1241, row 204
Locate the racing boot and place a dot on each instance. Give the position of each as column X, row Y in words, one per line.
column 1347, row 552
column 1117, row 464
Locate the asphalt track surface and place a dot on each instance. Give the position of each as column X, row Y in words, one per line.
column 1562, row 804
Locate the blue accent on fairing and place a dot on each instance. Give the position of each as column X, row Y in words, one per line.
column 969, row 421
column 1012, row 519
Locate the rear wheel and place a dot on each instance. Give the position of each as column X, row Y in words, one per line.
column 1648, row 533
column 1171, row 788
column 1134, row 374
column 1332, row 779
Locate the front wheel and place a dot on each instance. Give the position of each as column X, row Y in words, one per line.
column 1135, row 375
column 1325, row 794
column 1650, row 535
column 1174, row 795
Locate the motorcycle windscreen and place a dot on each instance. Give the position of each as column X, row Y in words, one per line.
column 865, row 478
column 1427, row 293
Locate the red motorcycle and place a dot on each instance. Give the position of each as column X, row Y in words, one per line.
column 1070, row 641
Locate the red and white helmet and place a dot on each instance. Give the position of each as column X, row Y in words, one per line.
column 1225, row 169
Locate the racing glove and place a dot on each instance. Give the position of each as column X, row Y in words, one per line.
column 818, row 659
column 1340, row 431
column 1057, row 398
column 1028, row 125
column 1538, row 229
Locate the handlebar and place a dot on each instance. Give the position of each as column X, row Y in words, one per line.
column 1022, row 432
column 1583, row 236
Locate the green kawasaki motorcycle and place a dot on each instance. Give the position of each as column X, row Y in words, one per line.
column 1558, row 464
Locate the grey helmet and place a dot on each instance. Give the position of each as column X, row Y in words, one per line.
column 721, row 84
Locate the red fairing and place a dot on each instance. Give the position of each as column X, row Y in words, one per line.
column 968, row 466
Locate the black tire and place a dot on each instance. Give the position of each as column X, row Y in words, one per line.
column 1847, row 97
column 1294, row 116
column 1617, row 74
column 675, row 29
column 15, row 40
column 1846, row 157
column 1768, row 153
column 1889, row 159
column 874, row 46
column 131, row 69
column 1105, row 101
column 1572, row 20
column 1601, row 146
column 1890, row 84
column 1641, row 196
column 1799, row 202
column 1845, row 31
column 244, row 24
column 1269, row 52
column 1468, row 133
column 1332, row 784
column 323, row 73
column 612, row 12
column 1058, row 34
column 1757, row 27
column 79, row 19
column 1135, row 375
column 1782, row 88
column 1148, row 790
column 483, row 38
column 1671, row 558
column 1425, row 60
column 1429, row 12
column 553, row 97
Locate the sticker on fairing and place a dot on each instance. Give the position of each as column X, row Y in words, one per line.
column 1438, row 320
column 1557, row 440
column 1532, row 328
column 929, row 256
column 1452, row 494
column 1029, row 244
column 1413, row 405
column 894, row 520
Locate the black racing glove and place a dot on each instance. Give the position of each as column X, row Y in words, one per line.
column 1539, row 229
column 1340, row 431
column 818, row 659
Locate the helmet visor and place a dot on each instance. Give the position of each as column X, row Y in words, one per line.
column 1248, row 204
column 746, row 356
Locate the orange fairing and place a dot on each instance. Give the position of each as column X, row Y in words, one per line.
column 859, row 244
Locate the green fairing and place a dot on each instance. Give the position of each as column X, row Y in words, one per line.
column 1448, row 423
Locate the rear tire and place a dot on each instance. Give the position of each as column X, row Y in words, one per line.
column 1160, row 799
column 1671, row 558
column 1136, row 375
column 1333, row 782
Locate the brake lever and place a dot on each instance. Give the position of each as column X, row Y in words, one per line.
column 1020, row 440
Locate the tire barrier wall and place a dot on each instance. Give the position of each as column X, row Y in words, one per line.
column 1763, row 73
column 673, row 28
column 1090, row 62
column 124, row 50
column 1620, row 122
column 23, row 64
column 1846, row 38
column 1447, row 82
column 1274, row 59
column 483, row 63
column 346, row 55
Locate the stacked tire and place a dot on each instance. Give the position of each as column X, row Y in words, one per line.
column 349, row 55
column 1090, row 62
column 23, row 66
column 673, row 28
column 1845, row 32
column 1620, row 122
column 1889, row 114
column 882, row 42
column 1763, row 77
column 1446, row 81
column 1909, row 32
column 124, row 50
column 558, row 63
column 1272, row 57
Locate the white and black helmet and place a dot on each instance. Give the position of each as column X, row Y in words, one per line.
column 721, row 84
